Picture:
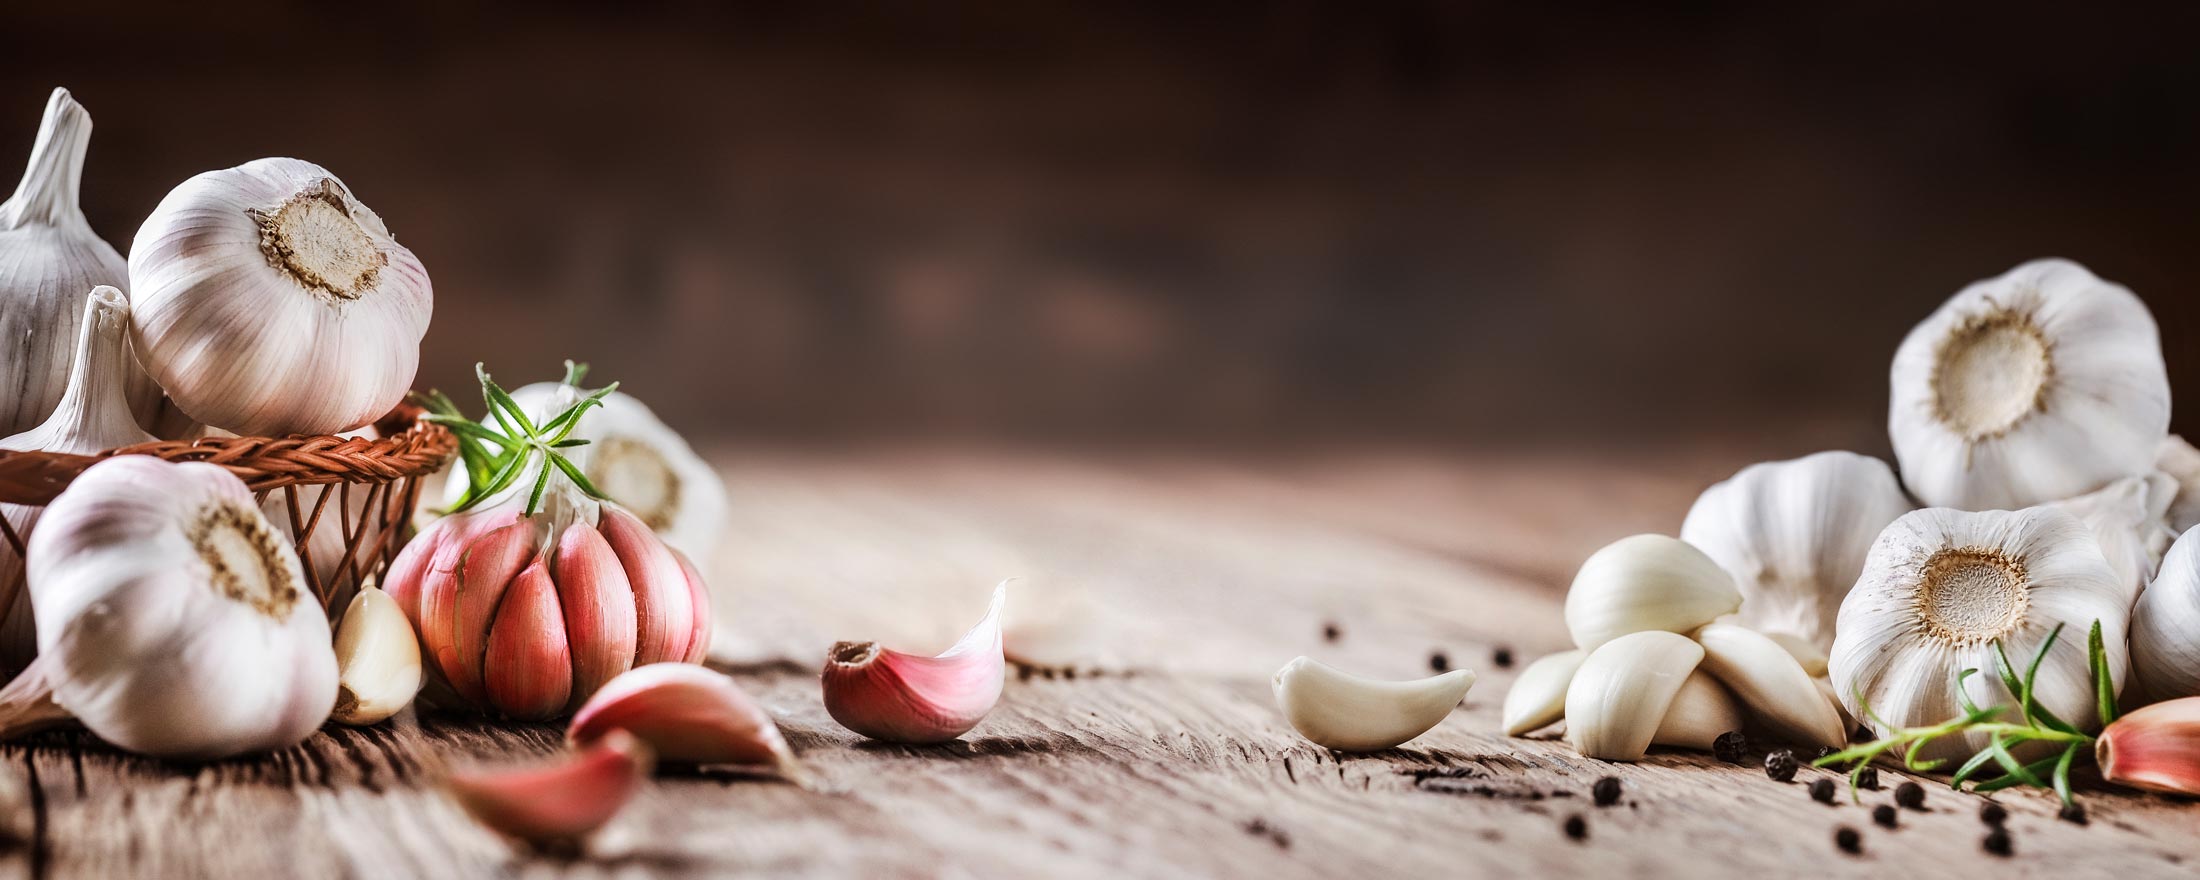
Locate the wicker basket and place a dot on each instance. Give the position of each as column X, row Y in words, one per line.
column 384, row 475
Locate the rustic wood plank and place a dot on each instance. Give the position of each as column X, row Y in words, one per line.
column 1171, row 762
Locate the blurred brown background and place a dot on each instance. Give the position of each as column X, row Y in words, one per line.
column 1423, row 222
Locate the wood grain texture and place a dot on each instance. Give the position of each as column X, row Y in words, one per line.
column 1170, row 761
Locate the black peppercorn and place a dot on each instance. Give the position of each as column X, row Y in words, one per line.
column 1502, row 658
column 1868, row 779
column 2073, row 813
column 1437, row 661
column 1911, row 795
column 1730, row 746
column 1823, row 753
column 1884, row 815
column 1993, row 814
column 1331, row 633
column 1606, row 791
column 1780, row 766
column 1997, row 841
column 1848, row 840
column 1577, row 827
column 1822, row 790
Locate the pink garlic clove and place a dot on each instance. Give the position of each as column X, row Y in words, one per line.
column 687, row 713
column 2156, row 748
column 664, row 613
column 699, row 599
column 907, row 698
column 599, row 609
column 560, row 803
column 465, row 583
column 528, row 666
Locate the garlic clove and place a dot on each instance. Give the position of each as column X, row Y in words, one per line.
column 665, row 618
column 377, row 660
column 1646, row 582
column 2129, row 518
column 1806, row 653
column 2165, row 657
column 2156, row 748
column 463, row 587
column 1794, row 535
column 2042, row 384
column 560, row 803
column 687, row 714
column 599, row 608
column 528, row 669
column 1348, row 713
column 1701, row 710
column 1538, row 697
column 1766, row 678
column 1058, row 623
column 907, row 698
column 699, row 638
column 1623, row 691
column 2181, row 462
column 1825, row 689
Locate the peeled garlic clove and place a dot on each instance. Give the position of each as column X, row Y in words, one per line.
column 2165, row 655
column 559, row 803
column 1701, row 710
column 1538, row 697
column 1766, row 678
column 1348, row 713
column 2042, row 384
column 1942, row 586
column 907, row 698
column 377, row 660
column 2181, row 462
column 688, row 714
column 2130, row 519
column 1623, row 690
column 1825, row 689
column 1806, row 654
column 1794, row 534
column 2156, row 748
column 1646, row 582
column 274, row 264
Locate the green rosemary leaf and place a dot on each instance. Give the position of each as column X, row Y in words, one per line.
column 1857, row 691
column 574, row 373
column 2010, row 763
column 2010, row 780
column 2104, row 685
column 1970, row 767
column 2062, row 772
column 577, row 477
column 542, row 479
column 1863, row 752
column 1970, row 707
column 467, row 428
column 568, row 444
column 2035, row 715
column 563, row 425
column 497, row 482
column 499, row 400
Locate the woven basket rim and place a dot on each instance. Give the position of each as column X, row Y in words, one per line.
column 408, row 448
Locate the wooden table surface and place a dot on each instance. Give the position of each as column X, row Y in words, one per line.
column 1197, row 578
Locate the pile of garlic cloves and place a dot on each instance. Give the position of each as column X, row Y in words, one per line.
column 2038, row 487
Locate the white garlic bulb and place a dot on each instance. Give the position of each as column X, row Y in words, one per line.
column 271, row 302
column 91, row 417
column 2042, row 384
column 49, row 257
column 2181, row 462
column 1942, row 586
column 2130, row 518
column 172, row 620
column 648, row 468
column 2165, row 629
column 1794, row 534
column 1646, row 582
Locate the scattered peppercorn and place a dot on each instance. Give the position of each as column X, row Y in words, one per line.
column 1577, row 827
column 1884, row 815
column 1848, row 840
column 1780, row 766
column 1822, row 790
column 1868, row 779
column 2073, row 813
column 1911, row 795
column 1502, row 658
column 1824, row 752
column 1993, row 814
column 1331, row 633
column 1439, row 662
column 1997, row 841
column 1730, row 746
column 1606, row 791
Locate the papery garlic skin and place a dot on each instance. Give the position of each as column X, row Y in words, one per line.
column 1774, row 687
column 49, row 257
column 1701, row 711
column 270, row 301
column 1336, row 710
column 908, row 698
column 1942, row 586
column 2130, row 519
column 2042, row 384
column 172, row 620
column 2181, row 462
column 1794, row 534
column 1623, row 690
column 1538, row 697
column 2165, row 628
column 92, row 416
column 1646, row 582
column 648, row 468
column 377, row 660
column 2156, row 748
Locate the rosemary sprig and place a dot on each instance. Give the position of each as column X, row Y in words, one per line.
column 2035, row 724
column 496, row 457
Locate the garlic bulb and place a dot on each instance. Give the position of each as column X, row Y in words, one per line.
column 49, row 257
column 1646, row 582
column 271, row 302
column 2039, row 385
column 2129, row 518
column 1942, row 586
column 91, row 417
column 2165, row 628
column 648, row 469
column 1794, row 534
column 2181, row 462
column 172, row 620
